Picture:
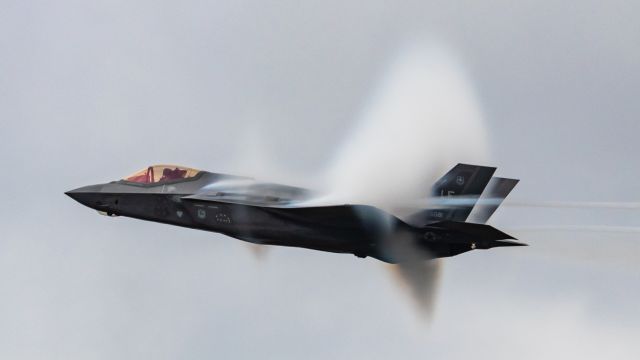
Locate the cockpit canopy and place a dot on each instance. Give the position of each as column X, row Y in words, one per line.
column 162, row 173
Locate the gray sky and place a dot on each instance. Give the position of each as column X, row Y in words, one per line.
column 92, row 91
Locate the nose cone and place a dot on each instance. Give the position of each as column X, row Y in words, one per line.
column 87, row 195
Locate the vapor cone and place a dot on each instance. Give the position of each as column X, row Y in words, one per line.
column 422, row 119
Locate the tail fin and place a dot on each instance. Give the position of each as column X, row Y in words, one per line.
column 462, row 180
column 491, row 198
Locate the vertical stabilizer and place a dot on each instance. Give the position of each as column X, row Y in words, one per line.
column 463, row 181
column 491, row 198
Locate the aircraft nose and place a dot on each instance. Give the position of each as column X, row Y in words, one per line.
column 86, row 195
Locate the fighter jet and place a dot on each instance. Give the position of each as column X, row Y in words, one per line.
column 274, row 214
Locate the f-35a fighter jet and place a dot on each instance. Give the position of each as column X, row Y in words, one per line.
column 274, row 214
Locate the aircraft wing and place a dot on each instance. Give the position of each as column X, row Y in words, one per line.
column 340, row 216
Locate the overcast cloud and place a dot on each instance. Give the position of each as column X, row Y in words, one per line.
column 90, row 92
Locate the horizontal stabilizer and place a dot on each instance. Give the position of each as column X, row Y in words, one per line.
column 478, row 236
column 499, row 243
column 479, row 231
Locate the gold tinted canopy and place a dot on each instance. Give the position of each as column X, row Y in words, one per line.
column 162, row 173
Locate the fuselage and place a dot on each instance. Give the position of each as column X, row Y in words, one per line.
column 270, row 214
column 318, row 228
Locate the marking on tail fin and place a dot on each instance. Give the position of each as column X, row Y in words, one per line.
column 463, row 179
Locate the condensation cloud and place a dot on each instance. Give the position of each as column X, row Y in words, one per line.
column 422, row 119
